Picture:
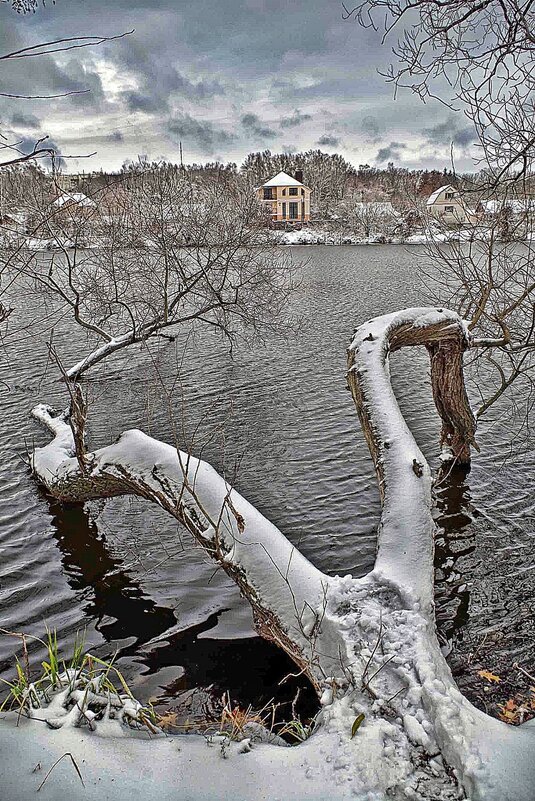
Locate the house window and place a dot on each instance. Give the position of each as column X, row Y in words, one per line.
column 302, row 191
column 292, row 190
column 268, row 194
column 450, row 195
column 284, row 211
column 284, row 191
column 294, row 211
column 448, row 209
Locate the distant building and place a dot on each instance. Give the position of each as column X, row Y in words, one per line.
column 73, row 200
column 72, row 212
column 515, row 206
column 446, row 205
column 14, row 220
column 286, row 198
column 72, row 181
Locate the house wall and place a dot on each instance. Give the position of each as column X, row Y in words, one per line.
column 449, row 210
column 280, row 196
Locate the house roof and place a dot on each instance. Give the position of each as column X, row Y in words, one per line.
column 282, row 179
column 432, row 198
column 516, row 205
column 74, row 197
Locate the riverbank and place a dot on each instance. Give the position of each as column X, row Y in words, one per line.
column 312, row 236
column 304, row 236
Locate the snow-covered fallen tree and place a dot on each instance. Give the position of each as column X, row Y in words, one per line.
column 393, row 724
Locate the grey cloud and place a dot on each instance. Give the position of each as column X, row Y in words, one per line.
column 84, row 75
column 27, row 144
column 448, row 131
column 201, row 133
column 464, row 137
column 184, row 56
column 46, row 75
column 255, row 127
column 197, row 90
column 296, row 119
column 328, row 141
column 26, row 121
column 150, row 104
column 156, row 99
column 390, row 153
column 370, row 127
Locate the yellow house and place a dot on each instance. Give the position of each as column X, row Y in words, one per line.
column 286, row 198
column 447, row 205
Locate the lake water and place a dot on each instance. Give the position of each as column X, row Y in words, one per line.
column 276, row 415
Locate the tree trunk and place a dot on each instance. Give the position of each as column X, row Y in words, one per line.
column 451, row 401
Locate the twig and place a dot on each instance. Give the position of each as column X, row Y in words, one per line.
column 77, row 769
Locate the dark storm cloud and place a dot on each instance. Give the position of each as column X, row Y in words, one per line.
column 390, row 153
column 296, row 119
column 328, row 141
column 448, row 131
column 187, row 62
column 201, row 133
column 27, row 144
column 254, row 127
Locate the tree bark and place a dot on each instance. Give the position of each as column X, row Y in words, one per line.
column 451, row 401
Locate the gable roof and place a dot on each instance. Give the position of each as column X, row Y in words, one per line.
column 77, row 198
column 432, row 198
column 282, row 179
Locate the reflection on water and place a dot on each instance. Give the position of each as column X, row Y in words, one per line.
column 454, row 540
column 110, row 596
column 125, row 572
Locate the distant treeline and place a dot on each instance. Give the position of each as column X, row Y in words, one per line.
column 333, row 180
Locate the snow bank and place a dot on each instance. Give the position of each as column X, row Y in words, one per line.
column 312, row 236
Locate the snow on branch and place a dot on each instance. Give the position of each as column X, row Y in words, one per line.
column 287, row 593
column 405, row 543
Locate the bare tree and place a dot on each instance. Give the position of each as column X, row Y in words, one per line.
column 167, row 251
column 478, row 57
column 489, row 279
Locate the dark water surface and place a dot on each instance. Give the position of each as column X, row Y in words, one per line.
column 134, row 581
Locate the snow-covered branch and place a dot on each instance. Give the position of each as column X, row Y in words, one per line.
column 368, row 645
column 287, row 593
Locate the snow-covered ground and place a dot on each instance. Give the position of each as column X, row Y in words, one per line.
column 313, row 236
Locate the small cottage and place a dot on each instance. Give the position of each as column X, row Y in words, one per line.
column 447, row 206
column 286, row 198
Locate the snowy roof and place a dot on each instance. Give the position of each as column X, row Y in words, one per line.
column 74, row 197
column 517, row 205
column 432, row 198
column 282, row 179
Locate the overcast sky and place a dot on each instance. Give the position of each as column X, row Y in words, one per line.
column 224, row 77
